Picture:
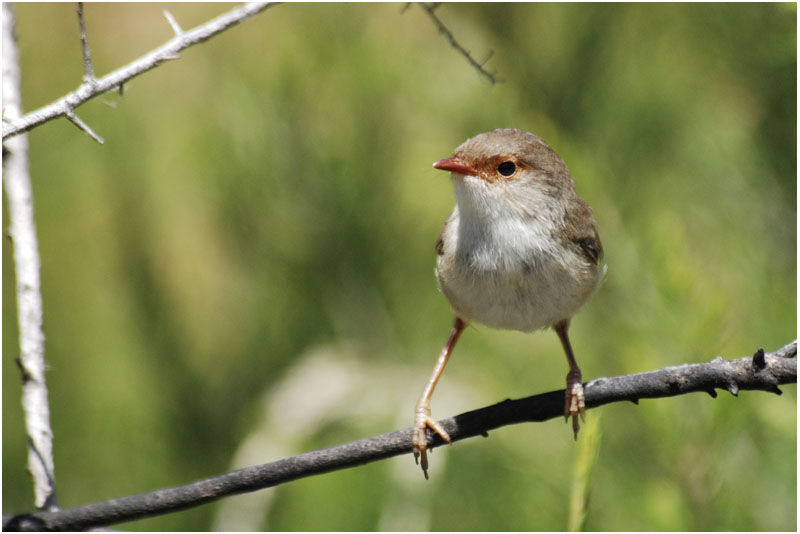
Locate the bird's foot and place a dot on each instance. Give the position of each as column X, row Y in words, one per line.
column 423, row 421
column 574, row 401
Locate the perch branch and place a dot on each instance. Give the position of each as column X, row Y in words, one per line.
column 759, row 372
column 115, row 80
column 444, row 30
column 17, row 183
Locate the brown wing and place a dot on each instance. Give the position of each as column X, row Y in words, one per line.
column 591, row 246
column 581, row 230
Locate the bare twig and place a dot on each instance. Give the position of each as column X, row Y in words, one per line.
column 29, row 297
column 444, row 30
column 88, row 70
column 758, row 372
column 116, row 79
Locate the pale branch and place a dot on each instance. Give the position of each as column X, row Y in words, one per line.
column 758, row 372
column 444, row 30
column 88, row 70
column 116, row 79
column 173, row 23
column 22, row 229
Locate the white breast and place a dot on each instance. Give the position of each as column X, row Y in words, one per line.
column 504, row 269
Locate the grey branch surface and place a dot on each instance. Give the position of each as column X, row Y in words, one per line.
column 22, row 230
column 758, row 372
column 91, row 87
column 88, row 69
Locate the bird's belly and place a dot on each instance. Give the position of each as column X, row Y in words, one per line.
column 519, row 297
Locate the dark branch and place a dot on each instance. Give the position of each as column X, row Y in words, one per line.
column 758, row 372
column 429, row 9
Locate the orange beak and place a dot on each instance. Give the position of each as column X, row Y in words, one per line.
column 455, row 165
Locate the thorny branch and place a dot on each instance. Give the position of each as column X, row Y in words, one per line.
column 22, row 230
column 758, row 372
column 444, row 30
column 65, row 106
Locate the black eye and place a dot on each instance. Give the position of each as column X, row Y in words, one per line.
column 507, row 168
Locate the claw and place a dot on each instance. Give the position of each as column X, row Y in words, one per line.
column 422, row 422
column 574, row 401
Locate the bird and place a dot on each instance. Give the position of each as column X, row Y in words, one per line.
column 520, row 251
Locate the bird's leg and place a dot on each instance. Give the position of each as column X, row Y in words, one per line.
column 574, row 402
column 422, row 417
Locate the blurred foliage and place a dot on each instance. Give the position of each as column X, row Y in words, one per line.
column 270, row 193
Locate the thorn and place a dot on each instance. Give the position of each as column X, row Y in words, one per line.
column 775, row 389
column 733, row 388
column 121, row 89
column 635, row 401
column 759, row 362
column 174, row 23
column 26, row 376
column 712, row 392
column 83, row 126
column 485, row 434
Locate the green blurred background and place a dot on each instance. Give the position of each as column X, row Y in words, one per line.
column 244, row 271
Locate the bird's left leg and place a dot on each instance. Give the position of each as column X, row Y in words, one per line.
column 574, row 402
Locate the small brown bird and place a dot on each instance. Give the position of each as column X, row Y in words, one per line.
column 520, row 251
